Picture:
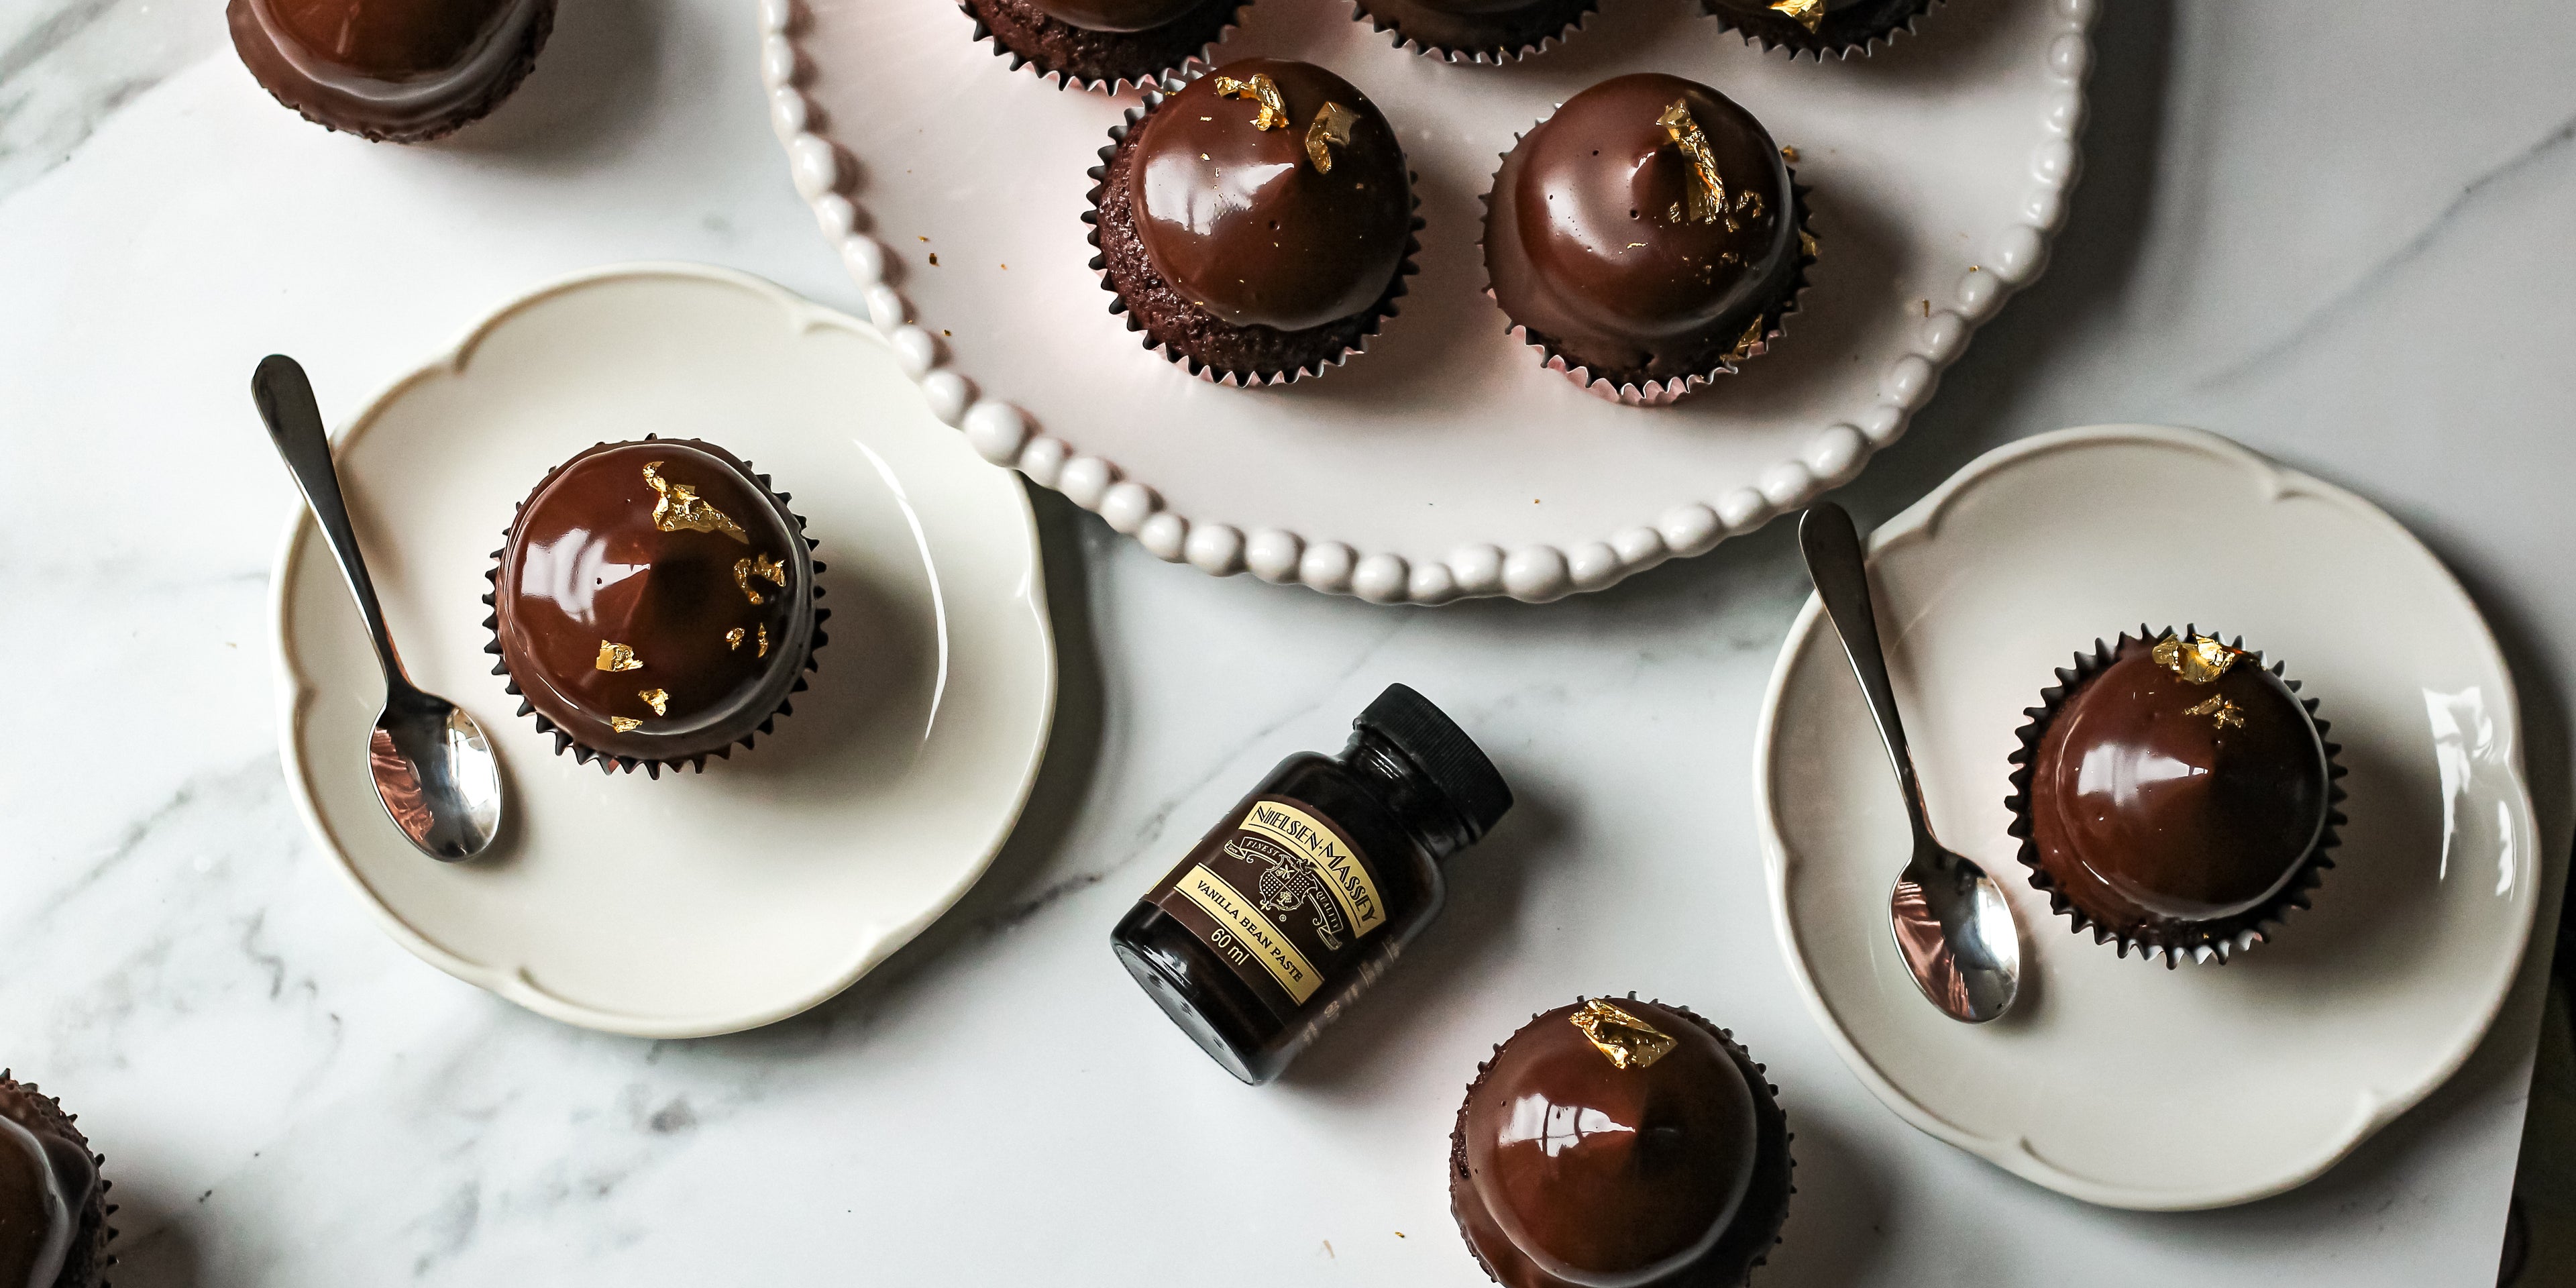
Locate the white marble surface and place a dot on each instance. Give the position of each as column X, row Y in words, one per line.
column 2344, row 243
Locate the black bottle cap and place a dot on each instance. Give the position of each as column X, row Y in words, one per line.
column 1447, row 756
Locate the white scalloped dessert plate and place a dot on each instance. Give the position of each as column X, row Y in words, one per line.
column 698, row 903
column 2115, row 1080
column 1443, row 462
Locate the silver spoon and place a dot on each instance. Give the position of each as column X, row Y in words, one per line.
column 433, row 767
column 1952, row 925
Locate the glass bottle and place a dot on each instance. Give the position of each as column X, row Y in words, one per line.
column 1304, row 892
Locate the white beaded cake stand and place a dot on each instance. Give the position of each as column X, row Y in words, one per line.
column 1445, row 462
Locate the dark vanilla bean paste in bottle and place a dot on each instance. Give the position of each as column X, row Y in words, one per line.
column 1294, row 904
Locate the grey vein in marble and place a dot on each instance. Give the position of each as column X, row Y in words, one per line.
column 66, row 67
column 251, row 777
column 287, row 1099
column 1150, row 831
column 2265, row 359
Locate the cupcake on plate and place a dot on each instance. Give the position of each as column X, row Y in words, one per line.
column 1818, row 27
column 1646, row 238
column 395, row 71
column 53, row 1205
column 1103, row 44
column 1476, row 31
column 654, row 605
column 1620, row 1142
column 2175, row 796
column 1255, row 224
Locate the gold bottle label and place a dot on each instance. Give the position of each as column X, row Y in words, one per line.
column 1332, row 859
column 1296, row 976
column 1281, row 896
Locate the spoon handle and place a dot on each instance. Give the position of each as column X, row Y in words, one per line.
column 285, row 401
column 1834, row 559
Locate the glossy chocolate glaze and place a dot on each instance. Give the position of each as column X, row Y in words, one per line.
column 390, row 69
column 2145, row 814
column 1481, row 8
column 1489, row 30
column 1569, row 1170
column 1832, row 8
column 586, row 565
column 1590, row 245
column 1845, row 26
column 1028, row 34
column 1240, row 222
column 1117, row 15
column 49, row 1185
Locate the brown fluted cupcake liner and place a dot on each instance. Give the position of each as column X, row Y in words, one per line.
column 87, row 1263
column 2211, row 942
column 1473, row 38
column 610, row 762
column 1336, row 342
column 1664, row 392
column 1100, row 61
column 1858, row 30
column 1774, row 1170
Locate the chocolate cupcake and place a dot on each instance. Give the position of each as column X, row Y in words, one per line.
column 654, row 604
column 395, row 71
column 53, row 1205
column 1646, row 238
column 1103, row 44
column 1476, row 31
column 1819, row 27
column 1257, row 223
column 1628, row 1143
column 2174, row 796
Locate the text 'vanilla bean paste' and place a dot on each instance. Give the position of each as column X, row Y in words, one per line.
column 1299, row 897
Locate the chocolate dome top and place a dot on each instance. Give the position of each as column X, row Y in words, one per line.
column 1612, row 1143
column 390, row 69
column 1648, row 223
column 44, row 1183
column 1479, row 8
column 653, row 600
column 2183, row 782
column 391, row 41
column 1806, row 13
column 1272, row 193
column 1818, row 26
column 47, row 1181
column 1117, row 15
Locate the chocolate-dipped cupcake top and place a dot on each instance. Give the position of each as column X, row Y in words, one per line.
column 1272, row 193
column 1494, row 31
column 1470, row 8
column 399, row 69
column 1117, row 15
column 654, row 602
column 48, row 1181
column 1613, row 1145
column 1818, row 27
column 2182, row 783
column 1648, row 225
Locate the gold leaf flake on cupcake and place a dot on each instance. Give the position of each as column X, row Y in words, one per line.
column 1842, row 28
column 1646, row 238
column 668, row 516
column 2174, row 796
column 1255, row 246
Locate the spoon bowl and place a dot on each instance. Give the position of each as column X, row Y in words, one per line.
column 1957, row 936
column 1953, row 928
column 436, row 774
column 434, row 769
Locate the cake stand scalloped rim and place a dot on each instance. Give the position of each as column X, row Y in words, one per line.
column 1004, row 434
